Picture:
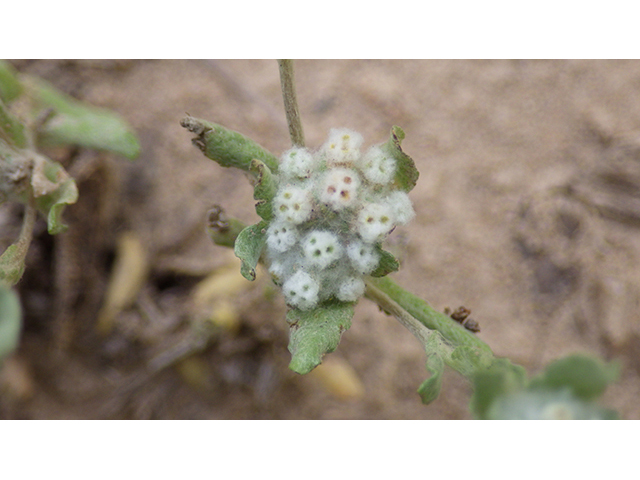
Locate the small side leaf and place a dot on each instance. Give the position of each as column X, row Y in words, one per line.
column 406, row 171
column 75, row 123
column 53, row 189
column 430, row 388
column 264, row 190
column 388, row 263
column 10, row 321
column 248, row 248
column 314, row 333
column 228, row 148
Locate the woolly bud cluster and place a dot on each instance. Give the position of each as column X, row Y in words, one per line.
column 332, row 209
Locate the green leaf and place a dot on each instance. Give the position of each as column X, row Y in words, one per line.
column 10, row 87
column 228, row 148
column 264, row 190
column 430, row 388
column 10, row 321
column 313, row 333
column 75, row 123
column 501, row 378
column 248, row 248
column 388, row 263
column 53, row 190
column 585, row 376
column 406, row 171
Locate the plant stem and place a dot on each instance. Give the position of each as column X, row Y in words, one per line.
column 417, row 308
column 12, row 261
column 288, row 84
column 386, row 303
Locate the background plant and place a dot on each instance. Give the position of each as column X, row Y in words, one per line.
column 34, row 115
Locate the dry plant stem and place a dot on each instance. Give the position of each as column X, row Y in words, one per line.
column 287, row 82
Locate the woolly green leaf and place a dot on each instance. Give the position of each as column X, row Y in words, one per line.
column 10, row 321
column 430, row 388
column 10, row 87
column 388, row 263
column 467, row 360
column 228, row 148
column 264, row 190
column 313, row 333
column 248, row 248
column 406, row 171
column 75, row 123
column 585, row 376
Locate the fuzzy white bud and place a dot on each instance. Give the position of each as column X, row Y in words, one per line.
column 301, row 290
column 339, row 188
column 292, row 204
column 321, row 248
column 377, row 167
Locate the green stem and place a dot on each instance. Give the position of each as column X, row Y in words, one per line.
column 288, row 84
column 452, row 331
column 12, row 261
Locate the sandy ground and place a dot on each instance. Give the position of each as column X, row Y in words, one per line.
column 528, row 209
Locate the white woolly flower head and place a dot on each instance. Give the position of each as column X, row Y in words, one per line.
column 343, row 146
column 401, row 205
column 378, row 167
column 339, row 188
column 292, row 204
column 363, row 256
column 375, row 221
column 351, row 289
column 331, row 209
column 278, row 271
column 301, row 290
column 321, row 248
column 281, row 236
column 297, row 162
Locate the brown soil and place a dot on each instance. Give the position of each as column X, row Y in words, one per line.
column 528, row 213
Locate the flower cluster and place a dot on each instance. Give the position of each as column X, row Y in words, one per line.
column 332, row 209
